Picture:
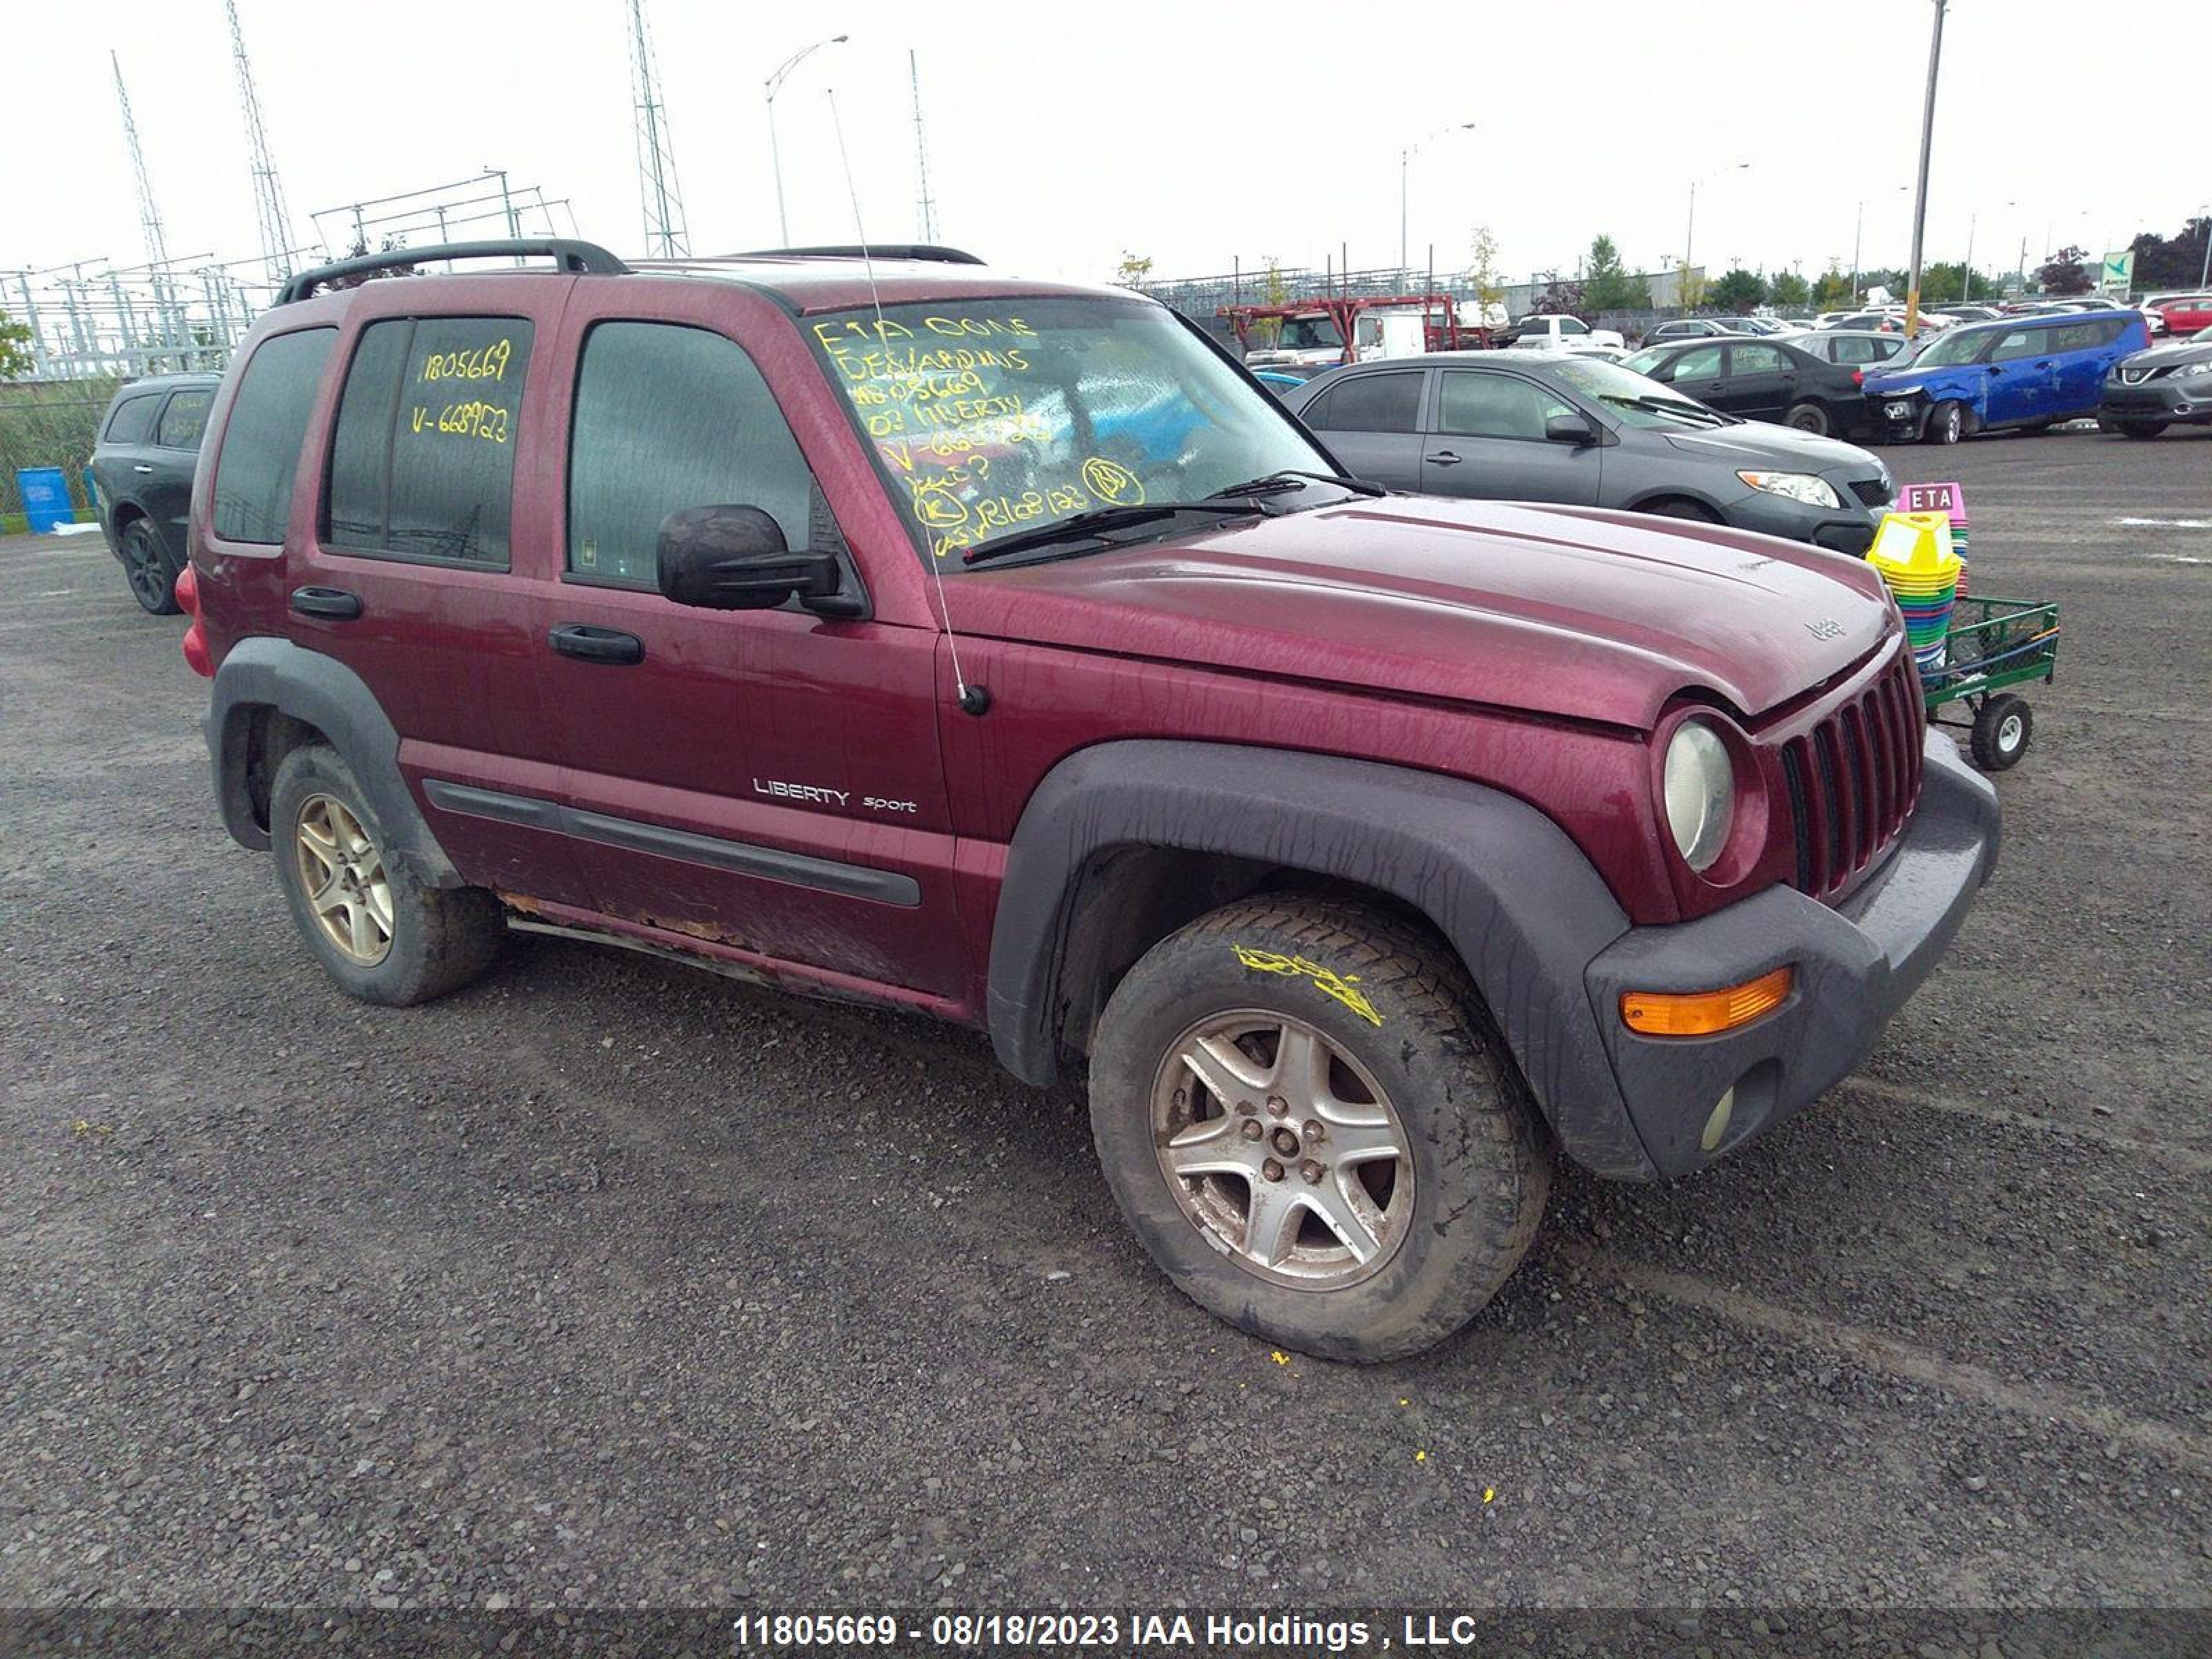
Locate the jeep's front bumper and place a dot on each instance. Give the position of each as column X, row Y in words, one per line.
column 1855, row 965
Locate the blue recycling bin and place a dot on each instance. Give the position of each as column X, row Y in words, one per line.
column 45, row 498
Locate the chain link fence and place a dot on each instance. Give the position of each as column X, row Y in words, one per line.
column 49, row 424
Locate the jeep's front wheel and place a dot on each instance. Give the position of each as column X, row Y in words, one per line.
column 1309, row 1120
column 381, row 934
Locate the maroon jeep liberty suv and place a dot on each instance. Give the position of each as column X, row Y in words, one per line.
column 880, row 626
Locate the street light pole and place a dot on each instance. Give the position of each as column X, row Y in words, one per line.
column 2204, row 271
column 774, row 84
column 1405, row 163
column 1690, row 231
column 1920, row 199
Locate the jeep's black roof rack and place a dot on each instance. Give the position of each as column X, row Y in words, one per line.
column 950, row 256
column 565, row 254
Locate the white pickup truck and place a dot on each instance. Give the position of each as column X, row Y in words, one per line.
column 1563, row 333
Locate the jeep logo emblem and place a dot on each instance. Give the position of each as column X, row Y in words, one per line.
column 1827, row 629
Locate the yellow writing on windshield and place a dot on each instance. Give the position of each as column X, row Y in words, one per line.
column 484, row 363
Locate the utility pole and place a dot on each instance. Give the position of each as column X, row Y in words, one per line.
column 273, row 223
column 149, row 217
column 666, row 237
column 926, row 206
column 1920, row 199
column 150, row 224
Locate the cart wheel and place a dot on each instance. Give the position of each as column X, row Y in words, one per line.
column 2002, row 729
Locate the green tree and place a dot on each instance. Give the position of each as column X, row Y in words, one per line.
column 1834, row 291
column 15, row 360
column 1739, row 291
column 1788, row 289
column 1941, row 284
column 1133, row 270
column 1482, row 272
column 2065, row 273
column 1609, row 285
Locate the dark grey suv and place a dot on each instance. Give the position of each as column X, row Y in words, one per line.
column 1535, row 427
column 149, row 444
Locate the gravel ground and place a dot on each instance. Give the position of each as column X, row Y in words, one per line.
column 607, row 1284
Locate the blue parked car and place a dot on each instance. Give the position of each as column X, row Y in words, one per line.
column 2028, row 372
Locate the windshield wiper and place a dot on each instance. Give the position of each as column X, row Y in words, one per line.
column 1695, row 414
column 1290, row 479
column 1093, row 522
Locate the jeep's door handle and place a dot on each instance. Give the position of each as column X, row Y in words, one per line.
column 140, row 466
column 1445, row 458
column 334, row 603
column 589, row 644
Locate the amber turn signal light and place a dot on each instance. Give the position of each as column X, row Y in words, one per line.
column 1702, row 1013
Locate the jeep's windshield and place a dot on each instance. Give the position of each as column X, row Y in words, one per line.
column 990, row 416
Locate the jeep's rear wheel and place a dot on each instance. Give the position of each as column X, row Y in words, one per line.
column 149, row 568
column 382, row 935
column 1310, row 1121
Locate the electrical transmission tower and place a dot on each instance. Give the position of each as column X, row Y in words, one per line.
column 276, row 223
column 666, row 237
column 926, row 207
column 149, row 217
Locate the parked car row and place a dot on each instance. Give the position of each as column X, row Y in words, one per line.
column 1554, row 427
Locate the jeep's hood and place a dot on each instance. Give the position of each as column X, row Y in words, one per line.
column 1574, row 612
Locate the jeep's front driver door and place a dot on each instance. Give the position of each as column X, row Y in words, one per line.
column 764, row 779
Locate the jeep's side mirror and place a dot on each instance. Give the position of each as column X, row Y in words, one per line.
column 734, row 558
column 1570, row 430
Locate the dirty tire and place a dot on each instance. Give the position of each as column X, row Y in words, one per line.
column 441, row 938
column 1480, row 1157
column 1809, row 418
column 1947, row 423
column 2003, row 727
column 150, row 568
column 2141, row 428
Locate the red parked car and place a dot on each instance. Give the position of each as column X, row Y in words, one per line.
column 2185, row 314
column 1363, row 850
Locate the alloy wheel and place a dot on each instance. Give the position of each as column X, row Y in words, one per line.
column 1283, row 1150
column 341, row 872
column 141, row 567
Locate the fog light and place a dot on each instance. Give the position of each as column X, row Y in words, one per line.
column 1702, row 1013
column 1717, row 1125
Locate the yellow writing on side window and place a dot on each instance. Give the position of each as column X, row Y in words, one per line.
column 484, row 363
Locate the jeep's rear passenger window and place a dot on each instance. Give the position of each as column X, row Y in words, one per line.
column 1371, row 403
column 185, row 419
column 267, row 429
column 422, row 464
column 133, row 419
column 669, row 418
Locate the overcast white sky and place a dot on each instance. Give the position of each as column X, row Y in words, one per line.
column 1192, row 132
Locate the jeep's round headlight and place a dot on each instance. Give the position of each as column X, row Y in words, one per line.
column 1700, row 792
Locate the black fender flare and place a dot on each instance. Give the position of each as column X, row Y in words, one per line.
column 1504, row 884
column 264, row 672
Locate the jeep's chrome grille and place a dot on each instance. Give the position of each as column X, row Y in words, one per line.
column 1854, row 779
